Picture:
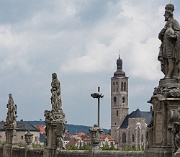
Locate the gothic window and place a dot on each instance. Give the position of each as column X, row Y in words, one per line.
column 132, row 137
column 121, row 86
column 117, row 113
column 124, row 137
column 114, row 99
column 115, row 124
column 124, row 86
column 113, row 83
column 123, row 99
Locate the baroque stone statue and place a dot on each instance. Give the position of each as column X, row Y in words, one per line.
column 56, row 91
column 170, row 45
column 163, row 132
column 12, row 113
column 55, row 118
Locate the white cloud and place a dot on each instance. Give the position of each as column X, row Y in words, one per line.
column 80, row 40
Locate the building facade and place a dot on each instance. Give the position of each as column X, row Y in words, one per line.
column 22, row 128
column 126, row 129
column 119, row 98
column 132, row 131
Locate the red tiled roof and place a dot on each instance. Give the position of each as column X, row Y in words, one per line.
column 80, row 134
column 72, row 142
column 41, row 128
column 103, row 136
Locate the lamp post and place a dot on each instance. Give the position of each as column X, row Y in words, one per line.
column 98, row 96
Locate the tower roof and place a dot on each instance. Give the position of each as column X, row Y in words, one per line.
column 119, row 72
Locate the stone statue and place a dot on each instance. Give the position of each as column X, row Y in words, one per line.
column 12, row 113
column 55, row 118
column 170, row 46
column 55, row 90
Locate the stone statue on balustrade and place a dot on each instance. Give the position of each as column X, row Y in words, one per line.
column 12, row 113
column 163, row 130
column 55, row 118
column 10, row 124
column 169, row 54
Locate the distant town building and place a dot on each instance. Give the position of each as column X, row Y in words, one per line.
column 126, row 129
column 132, row 131
column 80, row 139
column 22, row 128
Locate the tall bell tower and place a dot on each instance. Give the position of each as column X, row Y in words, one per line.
column 119, row 98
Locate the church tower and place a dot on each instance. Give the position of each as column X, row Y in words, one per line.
column 119, row 98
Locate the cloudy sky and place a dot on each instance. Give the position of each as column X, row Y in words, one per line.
column 79, row 40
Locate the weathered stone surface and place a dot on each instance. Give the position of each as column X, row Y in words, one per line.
column 170, row 46
column 162, row 133
column 55, row 120
column 10, row 127
column 95, row 134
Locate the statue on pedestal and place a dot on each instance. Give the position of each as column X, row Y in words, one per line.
column 170, row 48
column 55, row 118
column 11, row 124
column 163, row 131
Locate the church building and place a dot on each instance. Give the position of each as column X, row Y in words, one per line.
column 126, row 129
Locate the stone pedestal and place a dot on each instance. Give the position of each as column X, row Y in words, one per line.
column 95, row 134
column 7, row 149
column 51, row 132
column 55, row 129
column 165, row 101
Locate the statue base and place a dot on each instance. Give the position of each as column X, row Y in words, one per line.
column 7, row 150
column 165, row 102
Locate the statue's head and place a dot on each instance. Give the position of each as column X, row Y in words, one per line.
column 169, row 8
column 54, row 75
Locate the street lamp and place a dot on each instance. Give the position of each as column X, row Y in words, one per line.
column 98, row 96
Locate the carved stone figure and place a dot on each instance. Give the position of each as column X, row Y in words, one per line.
column 169, row 49
column 55, row 90
column 10, row 127
column 55, row 118
column 163, row 132
column 12, row 113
